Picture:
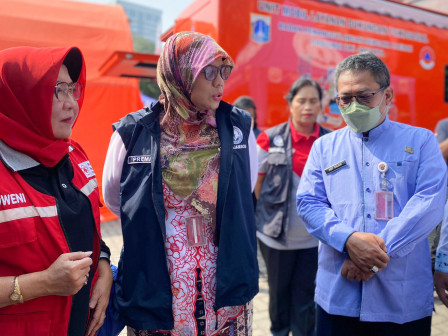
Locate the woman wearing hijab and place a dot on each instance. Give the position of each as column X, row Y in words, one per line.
column 55, row 277
column 179, row 175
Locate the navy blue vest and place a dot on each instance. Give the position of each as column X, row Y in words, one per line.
column 143, row 297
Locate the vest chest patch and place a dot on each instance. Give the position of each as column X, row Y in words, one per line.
column 10, row 199
column 139, row 159
column 276, row 150
column 87, row 169
column 278, row 141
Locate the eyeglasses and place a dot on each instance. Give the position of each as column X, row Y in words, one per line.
column 365, row 99
column 211, row 71
column 63, row 89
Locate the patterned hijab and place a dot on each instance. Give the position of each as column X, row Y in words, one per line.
column 189, row 140
column 27, row 80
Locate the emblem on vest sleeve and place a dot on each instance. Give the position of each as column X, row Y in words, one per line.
column 87, row 169
column 237, row 138
column 237, row 135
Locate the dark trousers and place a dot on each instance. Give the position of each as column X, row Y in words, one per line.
column 337, row 325
column 291, row 279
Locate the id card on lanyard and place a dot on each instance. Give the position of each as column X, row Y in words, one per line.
column 384, row 200
column 195, row 231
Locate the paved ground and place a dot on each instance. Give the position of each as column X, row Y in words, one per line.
column 112, row 236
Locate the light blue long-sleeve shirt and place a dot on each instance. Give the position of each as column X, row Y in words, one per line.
column 338, row 203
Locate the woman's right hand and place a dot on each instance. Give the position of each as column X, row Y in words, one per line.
column 65, row 276
column 68, row 273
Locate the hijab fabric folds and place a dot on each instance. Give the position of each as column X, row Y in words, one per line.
column 189, row 140
column 27, row 82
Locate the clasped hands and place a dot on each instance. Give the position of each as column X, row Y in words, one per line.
column 366, row 250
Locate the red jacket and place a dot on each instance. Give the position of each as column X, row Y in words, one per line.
column 31, row 239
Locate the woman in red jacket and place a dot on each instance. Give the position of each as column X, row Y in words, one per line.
column 55, row 277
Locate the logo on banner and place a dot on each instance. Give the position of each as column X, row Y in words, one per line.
column 87, row 169
column 427, row 58
column 260, row 28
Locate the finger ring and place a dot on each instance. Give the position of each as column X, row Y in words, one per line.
column 374, row 269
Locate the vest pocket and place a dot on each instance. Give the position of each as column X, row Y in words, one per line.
column 272, row 225
column 17, row 232
column 36, row 324
column 271, row 207
column 276, row 185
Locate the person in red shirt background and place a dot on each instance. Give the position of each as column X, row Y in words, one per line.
column 289, row 251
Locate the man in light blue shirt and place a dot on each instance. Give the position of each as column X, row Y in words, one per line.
column 441, row 265
column 371, row 193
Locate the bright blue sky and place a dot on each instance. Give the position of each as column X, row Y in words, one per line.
column 171, row 8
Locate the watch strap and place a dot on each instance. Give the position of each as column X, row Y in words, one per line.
column 16, row 295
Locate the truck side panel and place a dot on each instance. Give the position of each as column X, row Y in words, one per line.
column 275, row 42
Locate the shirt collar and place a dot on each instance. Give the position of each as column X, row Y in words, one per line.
column 377, row 131
column 296, row 136
column 17, row 161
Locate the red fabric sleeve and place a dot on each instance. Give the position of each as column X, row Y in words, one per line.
column 263, row 141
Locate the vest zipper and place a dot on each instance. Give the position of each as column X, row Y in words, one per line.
column 62, row 226
column 95, row 266
column 94, row 269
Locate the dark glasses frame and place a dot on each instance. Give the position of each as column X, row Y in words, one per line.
column 364, row 99
column 211, row 71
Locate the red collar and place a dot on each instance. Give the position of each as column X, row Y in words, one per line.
column 297, row 137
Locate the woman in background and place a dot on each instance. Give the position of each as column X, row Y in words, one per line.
column 248, row 104
column 289, row 251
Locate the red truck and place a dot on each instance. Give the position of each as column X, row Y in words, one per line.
column 275, row 42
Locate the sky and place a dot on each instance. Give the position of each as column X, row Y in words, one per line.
column 170, row 8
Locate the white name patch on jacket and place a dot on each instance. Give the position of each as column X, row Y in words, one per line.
column 87, row 169
column 139, row 159
column 9, row 199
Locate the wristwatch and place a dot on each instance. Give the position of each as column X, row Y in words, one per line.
column 16, row 295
